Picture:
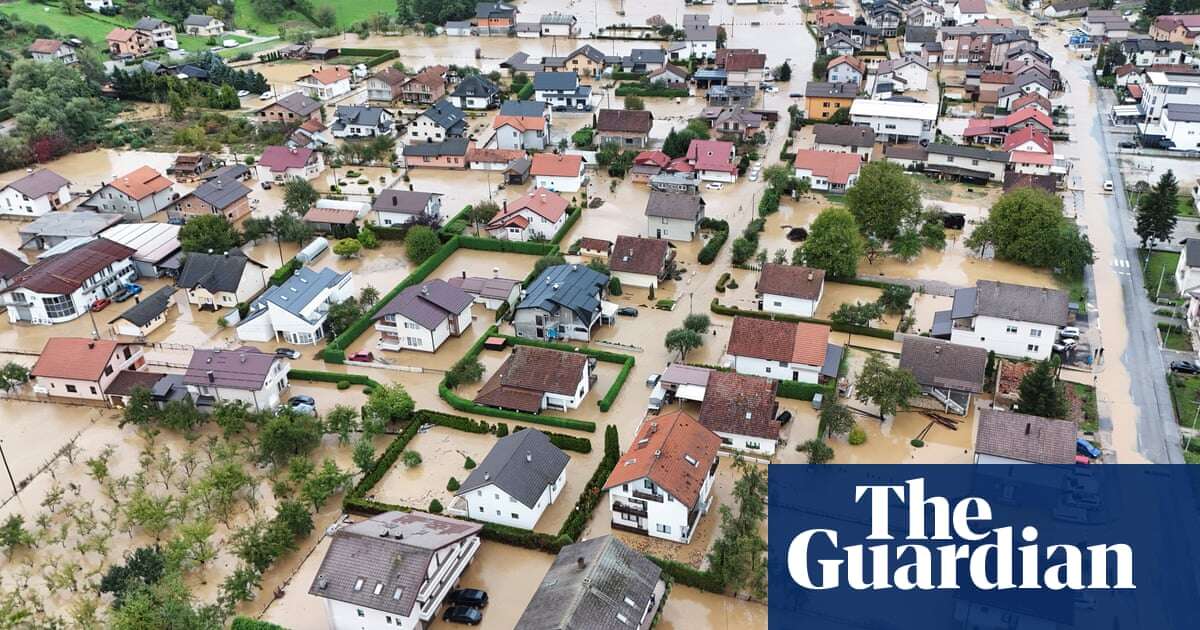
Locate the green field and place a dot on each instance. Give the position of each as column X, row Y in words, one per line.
column 1184, row 206
column 347, row 13
column 86, row 25
column 1161, row 267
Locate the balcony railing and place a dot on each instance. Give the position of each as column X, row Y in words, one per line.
column 626, row 508
column 648, row 496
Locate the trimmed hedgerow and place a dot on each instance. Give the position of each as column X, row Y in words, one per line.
column 461, row 423
column 564, row 441
column 689, row 576
column 626, row 361
column 573, row 527
column 462, row 404
column 572, row 218
column 881, row 333
column 803, row 391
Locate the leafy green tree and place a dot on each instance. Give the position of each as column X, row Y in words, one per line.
column 1027, row 226
column 857, row 314
column 743, row 250
column 140, row 410
column 299, row 195
column 239, row 586
column 545, row 262
column 895, row 298
column 343, row 315
column 420, row 243
column 738, row 557
column 328, row 480
column 481, row 213
column 614, row 286
column 388, row 403
column 783, row 72
column 166, row 604
column 295, row 518
column 818, row 451
column 367, row 238
column 465, row 370
column 153, row 514
column 13, row 375
column 780, row 178
column 1040, row 392
column 834, row 244
column 1156, row 211
column 888, row 387
column 883, row 199
column 232, row 416
column 180, row 415
column 144, row 567
column 410, row 459
column 698, row 323
column 363, row 454
column 634, row 103
column 209, row 233
column 837, row 419
column 347, row 248
column 342, row 420
column 288, row 434
column 13, row 534
column 682, row 340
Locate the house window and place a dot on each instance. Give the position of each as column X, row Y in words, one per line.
column 663, row 529
column 58, row 306
column 108, row 370
column 754, row 445
column 1031, row 348
column 358, row 584
column 514, row 515
column 360, row 611
column 1010, row 329
column 71, row 388
column 1036, row 332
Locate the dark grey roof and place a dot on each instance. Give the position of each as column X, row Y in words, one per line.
column 150, row 307
column 646, row 55
column 298, row 291
column 147, row 24
column 445, row 114
column 213, row 272
column 1135, row 45
column 833, row 361
column 974, row 153
column 1183, row 112
column 1191, row 252
column 705, row 33
column 451, row 146
column 555, row 81
column 428, row 304
column 192, row 71
column 573, row 287
column 494, row 9
column 475, row 86
column 817, row 89
column 589, row 51
column 1025, row 438
column 198, row 20
column 11, row 264
column 230, row 172
column 943, row 324
column 844, row 135
column 390, row 553
column 523, row 108
column 963, row 304
column 40, row 182
column 588, row 585
column 69, row 224
column 522, row 465
column 241, row 368
column 402, row 201
column 220, row 192
column 942, row 364
column 1015, row 302
column 360, row 115
column 298, row 103
column 674, row 205
column 920, row 34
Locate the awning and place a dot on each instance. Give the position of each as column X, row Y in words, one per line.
column 690, row 392
column 608, row 309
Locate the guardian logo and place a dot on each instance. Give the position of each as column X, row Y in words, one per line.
column 983, row 547
column 913, row 566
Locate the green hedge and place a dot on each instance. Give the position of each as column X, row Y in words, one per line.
column 331, row 377
column 572, row 218
column 283, row 273
column 637, row 89
column 506, row 246
column 802, row 391
column 610, row 397
column 526, row 92
column 389, row 232
column 627, row 76
column 461, row 423
column 385, row 461
column 246, row 623
column 688, row 575
column 376, row 55
column 880, row 333
column 462, row 404
column 573, row 527
column 456, row 225
column 564, row 441
column 710, row 250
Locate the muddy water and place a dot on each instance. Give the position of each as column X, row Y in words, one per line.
column 837, row 294
column 443, row 453
column 923, row 306
column 688, row 608
column 89, row 171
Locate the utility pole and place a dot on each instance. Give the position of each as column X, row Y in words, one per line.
column 14, row 483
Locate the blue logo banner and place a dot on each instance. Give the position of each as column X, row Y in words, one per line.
column 984, row 547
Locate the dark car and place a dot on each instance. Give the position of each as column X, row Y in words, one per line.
column 1086, row 448
column 287, row 353
column 785, row 417
column 1185, row 367
column 463, row 614
column 627, row 311
column 302, row 400
column 1128, row 144
column 468, row 597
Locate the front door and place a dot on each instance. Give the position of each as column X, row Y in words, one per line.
column 795, row 375
column 657, row 233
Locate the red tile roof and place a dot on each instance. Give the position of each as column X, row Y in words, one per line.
column 657, row 158
column 45, row 46
column 545, row 203
column 326, row 76
column 836, row 167
column 674, row 451
column 141, row 183
column 65, row 273
column 742, row 62
column 74, row 358
column 279, row 158
column 634, row 254
column 740, row 405
column 1021, row 136
column 528, row 374
column 556, row 165
column 793, row 342
column 853, row 62
column 712, row 155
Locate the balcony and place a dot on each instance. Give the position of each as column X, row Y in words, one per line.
column 626, row 508
column 648, row 496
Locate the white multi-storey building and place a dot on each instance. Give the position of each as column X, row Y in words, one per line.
column 1009, row 319
column 522, row 475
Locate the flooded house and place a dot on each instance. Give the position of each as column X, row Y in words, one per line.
column 822, row 100
column 224, row 196
column 244, row 374
column 565, row 302
column 741, row 410
column 948, row 373
column 425, row 87
column 641, row 262
column 790, row 289
column 713, row 160
column 625, row 128
column 494, row 18
column 191, row 166
column 137, row 195
column 448, row 154
column 54, row 228
column 423, row 316
column 156, row 246
column 295, row 311
column 490, row 292
column 1008, row 437
column 85, row 369
column 393, row 569
column 783, row 351
column 36, row 194
column 523, row 125
column 540, row 213
column 384, row 86
column 844, row 139
column 896, row 121
column 532, row 379
column 282, row 164
column 826, row 170
column 1009, row 319
column 439, row 122
column 145, row 316
column 203, row 25
column 215, row 281
column 674, row 216
column 562, row 91
column 10, row 265
column 662, row 485
column 475, row 92
column 521, row 476
column 63, row 287
column 598, row 584
column 647, row 164
column 399, row 207
column 354, row 121
column 325, row 83
column 294, row 108
column 557, row 172
column 845, row 69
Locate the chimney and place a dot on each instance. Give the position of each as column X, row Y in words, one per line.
column 529, row 456
column 810, row 276
column 464, row 274
column 92, row 344
column 487, row 476
column 580, row 562
column 1028, row 427
column 495, row 272
column 395, row 200
column 425, row 289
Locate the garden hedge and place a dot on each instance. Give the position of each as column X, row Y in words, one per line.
column 456, row 225
column 462, row 404
column 688, row 575
column 375, row 56
column 710, row 250
column 564, row 441
column 506, row 246
column 385, row 461
column 573, row 527
column 283, row 273
column 572, row 218
column 637, row 89
column 460, row 423
column 803, row 391
column 880, row 333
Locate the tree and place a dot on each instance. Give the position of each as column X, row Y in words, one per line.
column 634, row 103
column 780, row 177
column 682, row 340
column 698, row 323
column 837, row 419
column 342, row 420
column 165, row 604
column 883, row 199
column 1027, row 226
column 410, row 459
column 363, row 454
column 818, row 451
column 140, row 409
column 153, row 514
column 13, row 534
column 465, row 370
column 889, row 388
column 420, row 243
column 231, row 416
column 144, row 567
column 743, row 250
column 367, row 238
column 840, row 116
column 545, row 262
column 287, row 434
column 299, row 195
column 895, row 298
column 388, row 403
column 1040, row 393
column 327, row 481
column 13, row 375
column 209, row 233
column 295, row 518
column 480, row 213
column 1156, row 211
column 857, row 314
column 783, row 72
column 834, row 243
column 347, row 248
column 738, row 556
column 614, row 286
column 343, row 315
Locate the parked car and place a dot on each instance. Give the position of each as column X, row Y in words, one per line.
column 302, row 400
column 463, row 614
column 287, row 353
column 266, row 96
column 126, row 292
column 1066, row 345
column 1128, row 144
column 243, row 93
column 1069, row 332
column 652, row 380
column 100, row 305
column 714, row 185
column 627, row 311
column 266, row 185
column 304, row 410
column 362, row 357
column 1108, row 185
column 1084, row 447
column 1185, row 367
column 468, row 597
column 784, row 417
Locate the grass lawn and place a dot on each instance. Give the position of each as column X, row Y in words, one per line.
column 1074, row 287
column 1088, row 395
column 1175, row 337
column 1184, row 392
column 247, row 19
column 350, row 12
column 1185, row 207
column 255, row 49
column 85, row 25
column 1161, row 266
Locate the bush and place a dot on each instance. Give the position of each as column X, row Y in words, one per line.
column 801, row 391
column 246, row 623
column 573, row 527
column 469, row 464
column 614, row 286
column 688, row 575
column 460, row 423
column 720, row 309
column 611, row 396
column 343, row 384
column 435, row 507
column 452, row 485
column 562, row 440
column 411, row 459
column 710, row 250
column 917, row 443
column 722, row 281
column 857, row 436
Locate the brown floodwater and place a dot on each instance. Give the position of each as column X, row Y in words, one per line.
column 689, row 608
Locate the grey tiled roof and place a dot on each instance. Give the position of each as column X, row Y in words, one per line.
column 147, row 24
column 298, row 291
column 450, row 146
column 588, row 585
column 844, row 135
column 391, row 554
column 445, row 115
column 403, row 201
column 556, row 81
column 475, row 86
column 522, row 465
column 974, row 153
column 213, row 272
column 428, row 304
column 298, row 103
column 198, row 20
column 674, row 205
column 1019, row 302
column 220, row 192
column 942, row 364
column 242, row 368
column 523, row 108
column 41, row 182
column 574, row 287
column 150, row 307
column 359, row 115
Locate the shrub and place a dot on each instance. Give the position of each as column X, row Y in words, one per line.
column 614, row 286
column 501, row 431
column 857, row 436
column 917, row 443
column 435, row 507
column 710, row 250
column 590, row 497
column 722, row 282
column 411, row 459
column 469, row 464
column 343, row 384
column 452, row 485
column 800, row 391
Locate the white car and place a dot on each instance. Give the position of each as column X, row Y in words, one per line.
column 714, row 185
column 1108, row 185
column 1069, row 332
column 242, row 93
column 753, row 177
column 266, row 96
column 771, row 89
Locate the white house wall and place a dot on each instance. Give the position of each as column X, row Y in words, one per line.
column 753, row 366
column 1028, row 340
